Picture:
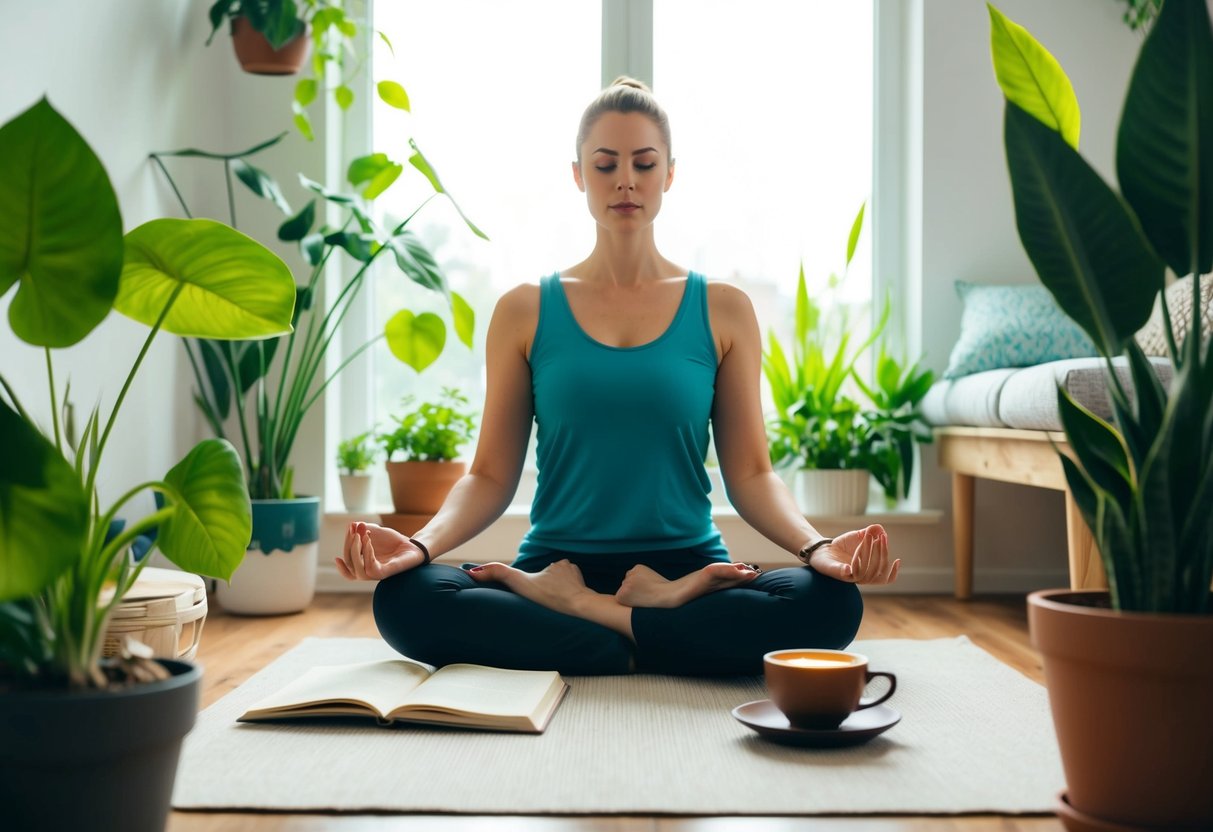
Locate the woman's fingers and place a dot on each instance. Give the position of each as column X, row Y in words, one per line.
column 342, row 569
column 878, row 556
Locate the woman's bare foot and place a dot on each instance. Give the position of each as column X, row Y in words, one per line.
column 642, row 587
column 560, row 587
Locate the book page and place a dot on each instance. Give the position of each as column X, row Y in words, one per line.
column 377, row 686
column 492, row 691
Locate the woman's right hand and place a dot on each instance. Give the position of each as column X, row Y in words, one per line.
column 372, row 553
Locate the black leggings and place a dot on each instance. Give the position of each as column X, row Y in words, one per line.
column 439, row 615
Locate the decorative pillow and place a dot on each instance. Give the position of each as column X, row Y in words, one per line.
column 1153, row 336
column 1012, row 326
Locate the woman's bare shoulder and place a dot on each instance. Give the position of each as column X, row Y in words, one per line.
column 517, row 315
column 729, row 301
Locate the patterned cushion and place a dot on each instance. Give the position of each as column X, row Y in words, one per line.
column 1153, row 336
column 1012, row 326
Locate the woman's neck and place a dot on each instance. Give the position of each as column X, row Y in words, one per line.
column 624, row 260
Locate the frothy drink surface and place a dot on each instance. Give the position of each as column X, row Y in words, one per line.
column 805, row 661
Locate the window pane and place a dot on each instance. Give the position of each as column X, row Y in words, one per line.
column 495, row 103
column 770, row 105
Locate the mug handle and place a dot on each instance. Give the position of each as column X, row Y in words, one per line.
column 872, row 674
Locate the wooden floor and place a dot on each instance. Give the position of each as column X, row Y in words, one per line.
column 233, row 648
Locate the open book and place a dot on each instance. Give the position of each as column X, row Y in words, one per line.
column 403, row 690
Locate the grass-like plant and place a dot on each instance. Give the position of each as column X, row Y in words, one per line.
column 819, row 423
column 1144, row 482
column 61, row 244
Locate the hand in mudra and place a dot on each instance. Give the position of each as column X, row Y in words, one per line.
column 859, row 557
column 372, row 553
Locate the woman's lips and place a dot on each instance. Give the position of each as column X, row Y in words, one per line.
column 625, row 207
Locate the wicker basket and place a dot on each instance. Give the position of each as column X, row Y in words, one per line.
column 165, row 610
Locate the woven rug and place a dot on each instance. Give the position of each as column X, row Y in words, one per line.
column 975, row 736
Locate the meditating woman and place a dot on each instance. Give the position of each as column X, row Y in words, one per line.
column 621, row 361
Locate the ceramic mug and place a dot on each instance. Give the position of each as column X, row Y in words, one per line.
column 818, row 689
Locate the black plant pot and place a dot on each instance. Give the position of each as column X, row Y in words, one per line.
column 95, row 760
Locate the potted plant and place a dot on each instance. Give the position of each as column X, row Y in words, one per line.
column 354, row 456
column 1127, row 669
column 422, row 450
column 250, row 382
column 271, row 37
column 825, row 441
column 87, row 743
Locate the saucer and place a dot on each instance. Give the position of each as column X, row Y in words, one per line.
column 859, row 727
column 1076, row 821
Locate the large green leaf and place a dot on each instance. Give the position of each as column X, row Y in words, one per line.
column 1086, row 247
column 213, row 521
column 417, row 340
column 1164, row 150
column 60, row 230
column 43, row 510
column 231, row 285
column 1032, row 78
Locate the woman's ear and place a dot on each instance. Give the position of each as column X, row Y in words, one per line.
column 669, row 177
column 577, row 176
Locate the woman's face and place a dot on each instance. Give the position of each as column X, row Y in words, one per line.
column 624, row 171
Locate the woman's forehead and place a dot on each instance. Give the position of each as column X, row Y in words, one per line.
column 624, row 133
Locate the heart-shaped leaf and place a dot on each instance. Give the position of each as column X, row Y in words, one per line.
column 43, row 510
column 417, row 340
column 230, row 285
column 60, row 230
column 213, row 520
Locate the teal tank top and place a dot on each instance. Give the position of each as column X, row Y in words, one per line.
column 622, row 432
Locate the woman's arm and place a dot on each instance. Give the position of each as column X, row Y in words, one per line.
column 485, row 491
column 755, row 490
column 760, row 496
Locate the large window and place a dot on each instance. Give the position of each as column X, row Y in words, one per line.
column 771, row 110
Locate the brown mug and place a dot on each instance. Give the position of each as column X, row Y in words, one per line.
column 818, row 689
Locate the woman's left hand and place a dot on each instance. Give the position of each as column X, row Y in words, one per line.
column 860, row 556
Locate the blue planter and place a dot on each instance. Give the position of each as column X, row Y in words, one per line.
column 278, row 574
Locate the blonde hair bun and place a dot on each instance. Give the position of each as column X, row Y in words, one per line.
column 628, row 81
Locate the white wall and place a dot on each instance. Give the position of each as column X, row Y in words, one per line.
column 963, row 194
column 134, row 76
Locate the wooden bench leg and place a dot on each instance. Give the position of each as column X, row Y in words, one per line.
column 1086, row 565
column 962, row 533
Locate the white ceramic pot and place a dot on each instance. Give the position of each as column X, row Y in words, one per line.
column 356, row 492
column 278, row 573
column 831, row 492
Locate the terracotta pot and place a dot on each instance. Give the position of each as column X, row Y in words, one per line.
column 258, row 57
column 420, row 487
column 1132, row 701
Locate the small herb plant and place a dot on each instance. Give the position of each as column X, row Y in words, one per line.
column 356, row 454
column 432, row 432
